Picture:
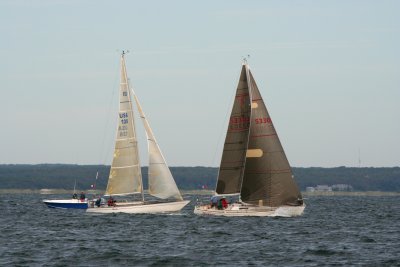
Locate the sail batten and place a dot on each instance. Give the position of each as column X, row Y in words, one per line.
column 121, row 167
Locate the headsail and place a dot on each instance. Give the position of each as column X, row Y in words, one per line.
column 161, row 182
column 234, row 154
column 268, row 178
column 125, row 174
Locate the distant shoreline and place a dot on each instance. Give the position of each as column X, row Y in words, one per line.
column 194, row 192
column 353, row 193
column 67, row 177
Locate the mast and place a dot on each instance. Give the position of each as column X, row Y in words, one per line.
column 133, row 123
column 125, row 174
column 230, row 173
column 130, row 97
column 248, row 136
column 133, row 126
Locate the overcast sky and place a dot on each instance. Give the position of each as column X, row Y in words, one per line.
column 329, row 72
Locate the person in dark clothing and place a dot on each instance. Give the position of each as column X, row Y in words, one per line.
column 75, row 196
column 98, row 202
column 82, row 196
column 219, row 204
column 214, row 201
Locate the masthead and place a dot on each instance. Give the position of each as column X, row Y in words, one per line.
column 245, row 59
column 124, row 52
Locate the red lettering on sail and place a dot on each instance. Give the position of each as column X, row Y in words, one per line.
column 263, row 120
column 239, row 123
column 242, row 98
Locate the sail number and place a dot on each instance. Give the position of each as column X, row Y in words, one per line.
column 246, row 120
column 123, row 130
column 124, row 117
column 239, row 123
column 235, row 120
column 263, row 120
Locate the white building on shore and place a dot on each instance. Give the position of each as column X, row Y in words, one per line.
column 329, row 188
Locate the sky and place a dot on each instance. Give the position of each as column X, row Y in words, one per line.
column 329, row 73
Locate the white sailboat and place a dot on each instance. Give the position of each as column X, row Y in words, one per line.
column 125, row 176
column 253, row 165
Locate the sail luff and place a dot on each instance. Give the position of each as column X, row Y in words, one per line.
column 246, row 66
column 161, row 181
column 125, row 173
column 232, row 161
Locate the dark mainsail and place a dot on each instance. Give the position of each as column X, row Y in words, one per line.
column 234, row 153
column 268, row 178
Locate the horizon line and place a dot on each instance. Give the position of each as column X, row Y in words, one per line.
column 194, row 166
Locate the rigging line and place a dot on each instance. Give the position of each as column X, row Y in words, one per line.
column 223, row 125
column 106, row 149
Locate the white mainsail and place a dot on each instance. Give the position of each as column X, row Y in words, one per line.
column 161, row 182
column 125, row 174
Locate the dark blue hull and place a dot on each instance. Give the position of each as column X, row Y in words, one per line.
column 66, row 204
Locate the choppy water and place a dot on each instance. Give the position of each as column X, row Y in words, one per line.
column 338, row 231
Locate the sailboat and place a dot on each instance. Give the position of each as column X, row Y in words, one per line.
column 125, row 176
column 254, row 166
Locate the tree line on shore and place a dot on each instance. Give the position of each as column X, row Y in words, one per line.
column 63, row 176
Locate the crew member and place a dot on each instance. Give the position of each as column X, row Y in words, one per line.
column 82, row 196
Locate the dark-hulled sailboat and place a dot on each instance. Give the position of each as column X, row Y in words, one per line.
column 254, row 165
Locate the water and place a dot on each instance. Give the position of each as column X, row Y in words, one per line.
column 339, row 231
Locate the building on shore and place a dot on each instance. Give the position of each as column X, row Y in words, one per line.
column 329, row 188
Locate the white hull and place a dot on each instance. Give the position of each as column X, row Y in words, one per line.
column 139, row 207
column 238, row 209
